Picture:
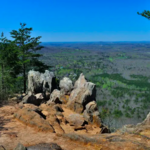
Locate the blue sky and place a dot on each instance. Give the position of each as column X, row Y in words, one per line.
column 78, row 20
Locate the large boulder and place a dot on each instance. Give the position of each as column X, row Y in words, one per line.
column 41, row 146
column 83, row 93
column 66, row 86
column 45, row 146
column 80, row 82
column 2, row 147
column 33, row 99
column 91, row 114
column 40, row 82
column 147, row 119
column 91, row 107
column 34, row 118
column 20, row 147
column 53, row 120
column 75, row 120
column 55, row 97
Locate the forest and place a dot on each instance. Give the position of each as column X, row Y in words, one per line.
column 121, row 75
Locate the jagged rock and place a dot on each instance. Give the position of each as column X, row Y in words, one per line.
column 64, row 98
column 51, row 113
column 32, row 99
column 53, row 120
column 40, row 82
column 45, row 146
column 96, row 118
column 58, row 108
column 32, row 107
column 34, row 119
column 80, row 82
column 147, row 120
column 2, row 148
column 91, row 107
column 47, row 95
column 39, row 96
column 20, row 147
column 75, row 120
column 92, row 118
column 87, row 117
column 55, row 97
column 127, row 129
column 51, row 109
column 83, row 93
column 66, row 86
column 46, row 113
column 91, row 113
column 76, row 128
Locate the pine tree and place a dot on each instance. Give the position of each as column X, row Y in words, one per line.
column 145, row 13
column 27, row 51
column 8, row 65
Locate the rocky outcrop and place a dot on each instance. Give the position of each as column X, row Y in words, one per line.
column 20, row 147
column 75, row 120
column 40, row 82
column 50, row 116
column 80, row 82
column 83, row 93
column 64, row 99
column 33, row 99
column 45, row 146
column 41, row 146
column 2, row 147
column 138, row 128
column 33, row 118
column 55, row 97
column 66, row 86
column 147, row 119
column 91, row 113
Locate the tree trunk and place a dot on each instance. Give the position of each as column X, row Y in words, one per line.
column 24, row 77
column 2, row 88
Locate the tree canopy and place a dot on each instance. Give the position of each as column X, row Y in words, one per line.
column 145, row 13
column 18, row 56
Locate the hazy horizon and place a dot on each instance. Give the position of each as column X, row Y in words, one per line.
column 97, row 42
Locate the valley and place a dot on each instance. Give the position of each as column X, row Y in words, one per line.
column 120, row 70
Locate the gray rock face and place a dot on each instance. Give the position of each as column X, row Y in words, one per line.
column 91, row 107
column 55, row 97
column 2, row 148
column 75, row 120
column 45, row 146
column 40, row 82
column 147, row 120
column 20, row 147
column 80, row 82
column 91, row 113
column 83, row 93
column 66, row 86
column 36, row 100
column 41, row 146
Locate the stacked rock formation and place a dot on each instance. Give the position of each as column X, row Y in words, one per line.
column 70, row 109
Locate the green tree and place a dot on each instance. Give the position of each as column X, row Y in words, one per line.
column 145, row 13
column 27, row 48
column 8, row 65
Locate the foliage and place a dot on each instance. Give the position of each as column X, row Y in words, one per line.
column 8, row 67
column 145, row 13
column 117, row 113
column 17, row 57
column 27, row 47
